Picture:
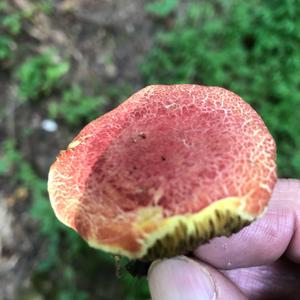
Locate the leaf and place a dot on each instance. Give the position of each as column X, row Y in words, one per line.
column 161, row 8
column 5, row 47
column 13, row 23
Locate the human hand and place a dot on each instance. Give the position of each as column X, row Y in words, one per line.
column 261, row 262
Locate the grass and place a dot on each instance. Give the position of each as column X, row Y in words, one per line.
column 75, row 107
column 39, row 75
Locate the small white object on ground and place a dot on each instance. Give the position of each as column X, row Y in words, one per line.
column 49, row 125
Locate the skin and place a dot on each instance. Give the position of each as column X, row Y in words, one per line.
column 261, row 262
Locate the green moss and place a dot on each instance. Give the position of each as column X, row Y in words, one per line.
column 74, row 106
column 161, row 8
column 39, row 75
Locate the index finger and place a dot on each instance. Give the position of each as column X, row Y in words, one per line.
column 265, row 240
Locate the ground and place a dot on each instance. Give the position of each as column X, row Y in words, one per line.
column 106, row 41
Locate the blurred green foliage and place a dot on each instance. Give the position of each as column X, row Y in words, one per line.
column 10, row 26
column 9, row 157
column 161, row 8
column 251, row 48
column 6, row 45
column 74, row 106
column 39, row 75
column 11, row 22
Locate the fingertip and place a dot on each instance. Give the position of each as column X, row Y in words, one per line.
column 182, row 278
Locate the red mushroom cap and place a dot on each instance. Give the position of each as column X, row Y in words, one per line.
column 171, row 167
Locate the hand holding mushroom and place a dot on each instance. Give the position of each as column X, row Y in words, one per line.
column 262, row 261
column 169, row 169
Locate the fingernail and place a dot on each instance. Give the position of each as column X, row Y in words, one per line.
column 180, row 278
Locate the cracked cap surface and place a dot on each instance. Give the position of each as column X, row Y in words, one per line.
column 169, row 155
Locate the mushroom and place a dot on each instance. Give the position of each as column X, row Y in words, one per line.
column 167, row 170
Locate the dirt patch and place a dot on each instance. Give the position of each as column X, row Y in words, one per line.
column 19, row 244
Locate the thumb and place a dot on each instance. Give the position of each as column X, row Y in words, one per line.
column 182, row 278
